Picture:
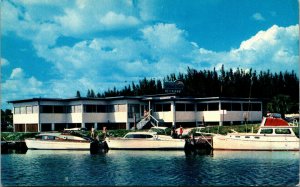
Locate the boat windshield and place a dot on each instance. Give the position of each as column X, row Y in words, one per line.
column 283, row 131
column 138, row 136
column 159, row 131
column 266, row 131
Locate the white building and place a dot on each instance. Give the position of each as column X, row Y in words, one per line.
column 49, row 114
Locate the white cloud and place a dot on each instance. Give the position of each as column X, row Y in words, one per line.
column 17, row 73
column 275, row 49
column 20, row 86
column 258, row 17
column 111, row 19
column 4, row 62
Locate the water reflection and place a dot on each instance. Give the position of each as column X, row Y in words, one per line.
column 255, row 154
column 57, row 152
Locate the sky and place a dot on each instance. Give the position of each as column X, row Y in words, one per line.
column 52, row 48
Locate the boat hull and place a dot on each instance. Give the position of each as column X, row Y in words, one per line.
column 56, row 145
column 145, row 144
column 255, row 143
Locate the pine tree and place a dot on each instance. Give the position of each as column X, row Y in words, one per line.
column 78, row 94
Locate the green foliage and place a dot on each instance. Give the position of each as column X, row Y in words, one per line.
column 227, row 129
column 117, row 133
column 226, row 83
column 16, row 136
column 6, row 120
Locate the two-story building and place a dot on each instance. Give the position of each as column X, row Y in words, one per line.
column 124, row 112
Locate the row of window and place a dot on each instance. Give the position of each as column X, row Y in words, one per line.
column 60, row 109
column 135, row 108
column 209, row 107
column 26, row 110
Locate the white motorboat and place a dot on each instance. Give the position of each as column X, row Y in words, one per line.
column 144, row 141
column 58, row 141
column 274, row 134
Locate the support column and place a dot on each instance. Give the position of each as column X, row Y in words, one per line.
column 173, row 109
column 127, row 126
column 96, row 126
column 52, row 126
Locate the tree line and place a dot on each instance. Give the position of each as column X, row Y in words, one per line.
column 279, row 91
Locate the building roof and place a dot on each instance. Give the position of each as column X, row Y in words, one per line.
column 156, row 97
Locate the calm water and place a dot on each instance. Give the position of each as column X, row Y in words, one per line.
column 154, row 168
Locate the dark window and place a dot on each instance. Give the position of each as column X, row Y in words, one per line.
column 180, row 107
column 101, row 108
column 282, row 131
column 47, row 109
column 201, row 107
column 68, row 109
column 213, row 106
column 59, row 109
column 246, row 107
column 46, row 127
column 266, row 131
column 256, row 106
column 158, row 107
column 226, row 106
column 90, row 108
column 236, row 106
column 166, row 107
column 190, row 107
column 110, row 108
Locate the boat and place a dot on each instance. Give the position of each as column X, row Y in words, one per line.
column 274, row 134
column 58, row 141
column 143, row 140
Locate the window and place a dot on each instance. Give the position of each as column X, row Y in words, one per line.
column 236, row 106
column 23, row 110
column 226, row 106
column 190, row 107
column 46, row 109
column 158, row 108
column 201, row 107
column 256, row 107
column 266, row 131
column 35, row 109
column 78, row 109
column 90, row 108
column 17, row 110
column 59, row 109
column 29, row 110
column 101, row 108
column 246, row 107
column 180, row 107
column 166, row 107
column 213, row 106
column 282, row 131
column 122, row 108
column 252, row 107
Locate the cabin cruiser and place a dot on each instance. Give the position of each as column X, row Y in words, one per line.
column 58, row 141
column 274, row 134
column 146, row 140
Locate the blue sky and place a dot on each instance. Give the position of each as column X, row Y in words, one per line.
column 54, row 48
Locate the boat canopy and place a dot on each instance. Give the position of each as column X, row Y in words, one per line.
column 270, row 121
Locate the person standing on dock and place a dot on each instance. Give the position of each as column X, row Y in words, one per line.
column 93, row 132
column 104, row 132
column 180, row 131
